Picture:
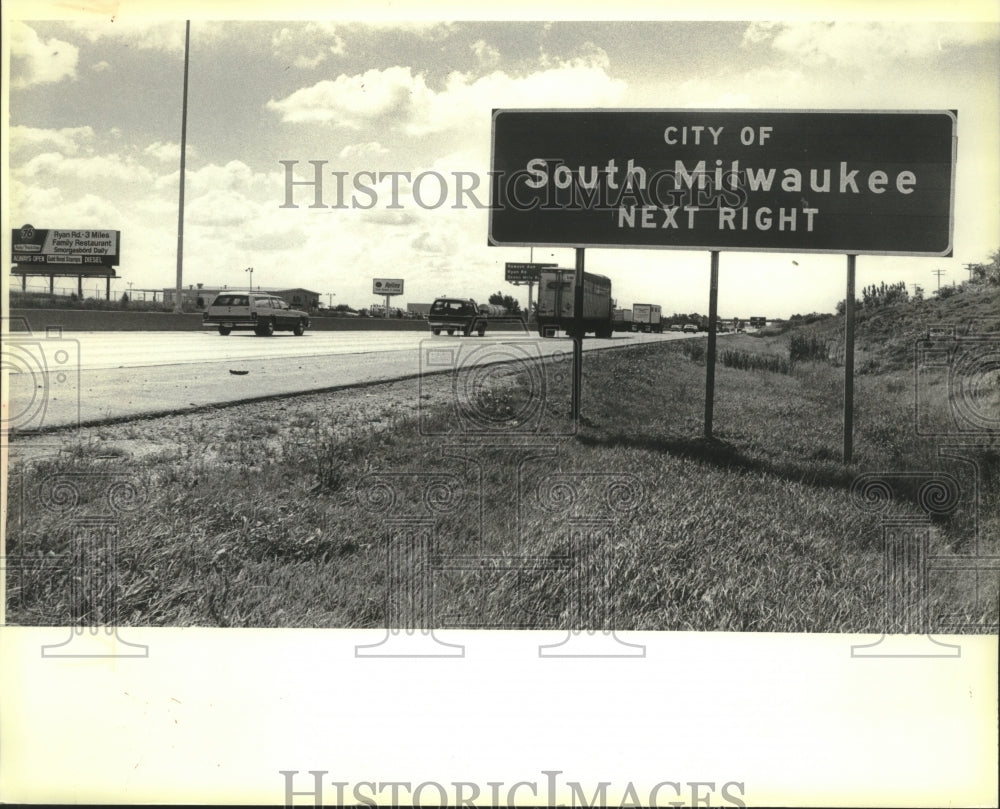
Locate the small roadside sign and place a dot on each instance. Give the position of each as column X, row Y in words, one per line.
column 521, row 273
column 387, row 286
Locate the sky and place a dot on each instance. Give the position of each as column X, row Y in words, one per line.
column 95, row 128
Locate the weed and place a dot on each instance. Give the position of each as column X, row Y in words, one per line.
column 694, row 350
column 747, row 361
column 806, row 347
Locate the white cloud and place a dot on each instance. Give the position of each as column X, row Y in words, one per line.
column 33, row 202
column 863, row 43
column 465, row 102
column 307, row 46
column 486, row 54
column 37, row 205
column 392, row 218
column 398, row 96
column 166, row 152
column 368, row 149
column 219, row 207
column 115, row 168
column 588, row 54
column 435, row 243
column 764, row 87
column 354, row 101
column 100, row 67
column 234, row 176
column 67, row 141
column 38, row 61
column 141, row 34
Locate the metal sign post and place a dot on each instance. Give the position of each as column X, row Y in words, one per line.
column 849, row 362
column 713, row 308
column 577, row 337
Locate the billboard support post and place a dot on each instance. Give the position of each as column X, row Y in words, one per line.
column 713, row 309
column 849, row 362
column 387, row 287
column 577, row 337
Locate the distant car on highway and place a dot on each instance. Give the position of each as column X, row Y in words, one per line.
column 258, row 311
column 675, row 327
column 690, row 327
column 456, row 314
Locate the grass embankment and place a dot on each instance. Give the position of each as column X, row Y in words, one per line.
column 753, row 530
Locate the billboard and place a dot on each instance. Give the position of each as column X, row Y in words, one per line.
column 771, row 180
column 69, row 250
column 387, row 286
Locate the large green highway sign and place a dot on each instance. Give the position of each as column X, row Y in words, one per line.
column 859, row 182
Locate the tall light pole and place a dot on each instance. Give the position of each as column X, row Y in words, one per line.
column 180, row 205
column 250, row 270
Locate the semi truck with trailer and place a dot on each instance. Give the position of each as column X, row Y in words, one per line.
column 556, row 298
column 647, row 317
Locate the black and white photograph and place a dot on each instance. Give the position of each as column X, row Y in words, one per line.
column 623, row 382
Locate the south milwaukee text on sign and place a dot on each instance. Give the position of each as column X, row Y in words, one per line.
column 822, row 181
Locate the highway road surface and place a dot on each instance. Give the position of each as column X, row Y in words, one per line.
column 89, row 377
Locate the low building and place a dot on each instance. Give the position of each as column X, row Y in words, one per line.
column 298, row 298
column 197, row 296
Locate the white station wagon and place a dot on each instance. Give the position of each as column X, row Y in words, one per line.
column 260, row 311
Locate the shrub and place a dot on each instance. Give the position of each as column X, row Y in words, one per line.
column 694, row 350
column 807, row 347
column 749, row 361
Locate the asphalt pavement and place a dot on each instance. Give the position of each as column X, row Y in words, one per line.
column 91, row 377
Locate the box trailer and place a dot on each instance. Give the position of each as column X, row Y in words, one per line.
column 556, row 298
column 647, row 317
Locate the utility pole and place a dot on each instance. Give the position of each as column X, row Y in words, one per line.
column 969, row 267
column 939, row 273
column 180, row 205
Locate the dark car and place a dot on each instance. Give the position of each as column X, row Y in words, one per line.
column 456, row 314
